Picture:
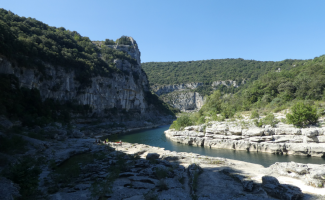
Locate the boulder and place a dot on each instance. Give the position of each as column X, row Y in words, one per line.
column 286, row 192
column 62, row 132
column 152, row 156
column 268, row 130
column 254, row 132
column 307, row 139
column 217, row 129
column 309, row 132
column 191, row 128
column 235, row 130
column 8, row 189
column 321, row 131
column 61, row 137
column 321, row 139
column 77, row 134
column 287, row 131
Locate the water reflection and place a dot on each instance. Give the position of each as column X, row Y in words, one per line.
column 156, row 137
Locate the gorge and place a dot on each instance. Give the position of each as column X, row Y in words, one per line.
column 82, row 119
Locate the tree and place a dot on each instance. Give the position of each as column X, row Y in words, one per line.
column 302, row 114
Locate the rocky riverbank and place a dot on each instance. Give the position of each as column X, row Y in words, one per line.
column 243, row 135
column 80, row 168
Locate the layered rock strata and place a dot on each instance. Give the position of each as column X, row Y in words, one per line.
column 182, row 97
column 121, row 90
column 184, row 101
column 284, row 139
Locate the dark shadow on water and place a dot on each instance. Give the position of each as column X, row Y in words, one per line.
column 156, row 137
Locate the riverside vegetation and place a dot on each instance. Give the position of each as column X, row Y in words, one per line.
column 208, row 71
column 300, row 88
column 38, row 155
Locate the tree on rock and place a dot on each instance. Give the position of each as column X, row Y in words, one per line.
column 302, row 114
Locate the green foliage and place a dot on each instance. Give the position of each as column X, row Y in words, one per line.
column 109, row 42
column 267, row 120
column 100, row 188
column 26, row 40
column 161, row 173
column 207, row 71
column 14, row 144
column 25, row 173
column 182, row 121
column 272, row 91
column 302, row 114
column 254, row 114
column 124, row 40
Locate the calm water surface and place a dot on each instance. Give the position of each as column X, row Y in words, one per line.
column 156, row 137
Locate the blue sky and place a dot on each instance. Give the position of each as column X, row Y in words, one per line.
column 185, row 30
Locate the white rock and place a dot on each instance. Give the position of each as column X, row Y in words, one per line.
column 309, row 132
column 254, row 132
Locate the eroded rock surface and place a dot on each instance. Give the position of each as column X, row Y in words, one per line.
column 283, row 139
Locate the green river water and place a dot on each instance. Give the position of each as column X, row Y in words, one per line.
column 156, row 137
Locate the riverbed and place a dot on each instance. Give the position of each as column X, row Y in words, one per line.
column 156, row 137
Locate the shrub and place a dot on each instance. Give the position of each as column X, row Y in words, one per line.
column 12, row 145
column 25, row 173
column 181, row 122
column 302, row 114
column 255, row 115
column 268, row 120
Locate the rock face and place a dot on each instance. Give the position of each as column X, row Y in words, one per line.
column 283, row 139
column 181, row 96
column 310, row 174
column 286, row 192
column 121, row 90
column 227, row 83
column 8, row 189
column 184, row 100
column 159, row 90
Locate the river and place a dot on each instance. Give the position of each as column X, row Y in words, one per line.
column 156, row 137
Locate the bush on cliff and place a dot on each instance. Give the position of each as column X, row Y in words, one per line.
column 302, row 114
column 269, row 119
column 181, row 122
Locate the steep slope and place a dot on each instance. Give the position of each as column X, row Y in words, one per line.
column 62, row 67
column 170, row 79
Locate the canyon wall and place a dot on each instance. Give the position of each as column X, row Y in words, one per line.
column 124, row 90
column 183, row 96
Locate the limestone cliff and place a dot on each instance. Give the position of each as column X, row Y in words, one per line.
column 125, row 90
column 241, row 135
column 184, row 97
column 184, row 100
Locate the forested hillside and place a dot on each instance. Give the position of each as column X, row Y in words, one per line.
column 207, row 71
column 63, row 64
column 272, row 92
column 26, row 40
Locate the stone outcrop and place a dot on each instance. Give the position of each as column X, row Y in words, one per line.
column 286, row 192
column 310, row 174
column 164, row 89
column 159, row 90
column 121, row 90
column 184, row 100
column 227, row 83
column 8, row 189
column 138, row 171
column 283, row 139
column 182, row 96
